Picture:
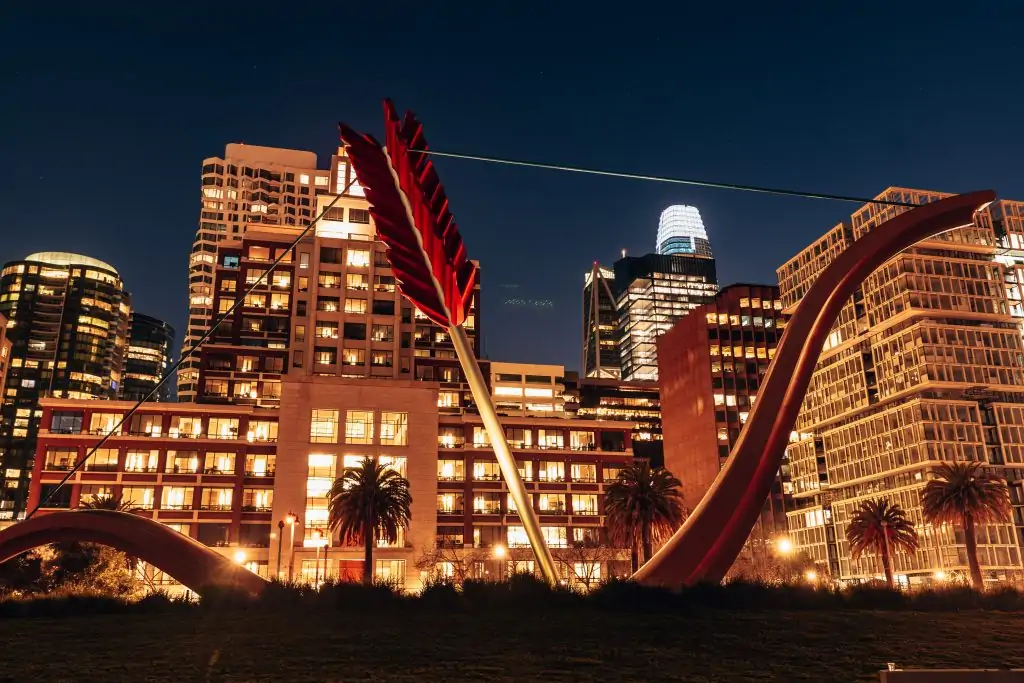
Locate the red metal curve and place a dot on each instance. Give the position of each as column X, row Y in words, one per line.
column 708, row 543
column 186, row 560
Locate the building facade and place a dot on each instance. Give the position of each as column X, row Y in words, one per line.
column 600, row 325
column 250, row 186
column 710, row 367
column 68, row 318
column 150, row 347
column 205, row 471
column 654, row 291
column 924, row 365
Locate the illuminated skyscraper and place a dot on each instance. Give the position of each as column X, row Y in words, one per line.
column 600, row 325
column 150, row 345
column 68, row 326
column 681, row 231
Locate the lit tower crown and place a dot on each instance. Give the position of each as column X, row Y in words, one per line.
column 681, row 231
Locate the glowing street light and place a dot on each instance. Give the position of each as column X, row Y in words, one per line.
column 784, row 546
column 499, row 551
column 811, row 575
column 239, row 557
column 940, row 575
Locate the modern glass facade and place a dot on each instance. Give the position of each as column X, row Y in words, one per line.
column 150, row 345
column 600, row 325
column 68, row 319
column 654, row 291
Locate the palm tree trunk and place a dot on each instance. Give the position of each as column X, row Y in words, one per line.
column 634, row 554
column 368, row 572
column 971, row 541
column 645, row 531
column 887, row 566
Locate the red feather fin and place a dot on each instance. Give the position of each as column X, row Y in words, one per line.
column 410, row 208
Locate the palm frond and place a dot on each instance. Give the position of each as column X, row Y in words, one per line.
column 959, row 489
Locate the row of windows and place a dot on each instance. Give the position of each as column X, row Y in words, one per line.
column 169, row 462
column 359, row 427
column 452, row 469
column 148, row 424
column 545, row 503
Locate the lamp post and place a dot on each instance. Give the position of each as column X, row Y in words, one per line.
column 290, row 520
column 280, row 546
column 499, row 554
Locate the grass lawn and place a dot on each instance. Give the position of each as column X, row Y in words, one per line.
column 576, row 644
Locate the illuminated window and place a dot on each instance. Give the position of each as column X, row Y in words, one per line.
column 353, row 357
column 182, row 462
column 222, row 428
column 262, row 430
column 517, row 537
column 550, row 438
column 551, row 503
column 508, row 391
column 382, row 358
column 525, row 470
column 257, row 500
column 486, row 470
column 359, row 426
column 323, row 427
column 447, row 399
column 357, row 281
column 141, row 461
column 394, row 429
column 185, row 427
column 391, row 571
column 325, row 356
column 583, row 472
column 138, row 497
column 555, row 536
column 582, row 441
column 481, row 439
column 356, row 306
column 359, row 258
column 279, row 302
column 551, row 471
column 61, row 459
column 326, row 329
column 260, row 464
column 216, row 499
column 219, row 463
column 177, row 498
column 451, row 470
column 103, row 423
column 584, row 504
column 518, row 437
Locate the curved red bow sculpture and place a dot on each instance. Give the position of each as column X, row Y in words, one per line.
column 708, row 543
column 185, row 559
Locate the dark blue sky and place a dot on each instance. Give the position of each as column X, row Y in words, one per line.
column 106, row 116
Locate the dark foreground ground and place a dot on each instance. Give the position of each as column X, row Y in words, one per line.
column 570, row 645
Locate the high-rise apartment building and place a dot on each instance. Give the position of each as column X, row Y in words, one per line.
column 681, row 231
column 5, row 354
column 329, row 308
column 925, row 364
column 710, row 367
column 654, row 291
column 68, row 319
column 600, row 325
column 250, row 186
column 150, row 346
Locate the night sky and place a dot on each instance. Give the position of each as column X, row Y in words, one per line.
column 107, row 114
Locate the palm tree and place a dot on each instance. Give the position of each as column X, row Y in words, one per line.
column 965, row 494
column 109, row 502
column 643, row 506
column 367, row 503
column 882, row 527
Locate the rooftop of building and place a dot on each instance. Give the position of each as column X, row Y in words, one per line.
column 154, row 407
column 66, row 258
column 258, row 155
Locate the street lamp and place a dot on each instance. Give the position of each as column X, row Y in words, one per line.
column 280, row 546
column 239, row 557
column 327, row 545
column 499, row 551
column 940, row 575
column 811, row 576
column 784, row 546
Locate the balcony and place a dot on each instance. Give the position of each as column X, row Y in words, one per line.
column 266, row 473
column 456, row 443
column 450, row 511
column 256, row 508
column 494, row 509
column 215, row 507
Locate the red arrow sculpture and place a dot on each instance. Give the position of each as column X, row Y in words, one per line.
column 410, row 210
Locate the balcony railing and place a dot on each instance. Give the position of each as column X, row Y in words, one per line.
column 458, row 443
column 266, row 473
column 215, row 507
column 175, row 506
column 141, row 470
column 58, row 466
column 217, row 470
column 487, row 509
column 450, row 511
column 256, row 508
